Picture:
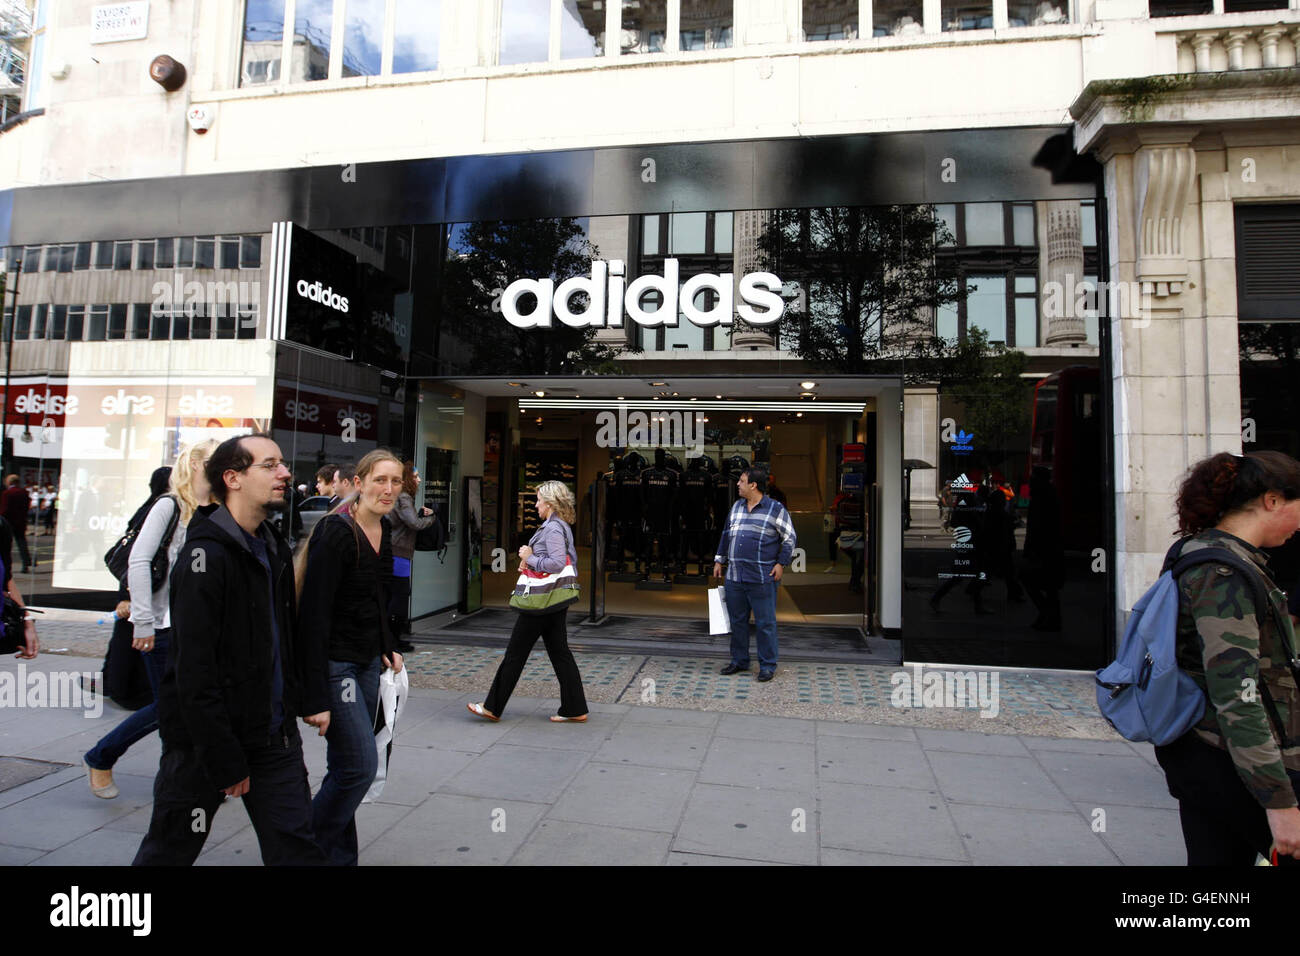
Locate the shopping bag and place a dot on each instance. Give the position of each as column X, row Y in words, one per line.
column 719, row 619
column 393, row 689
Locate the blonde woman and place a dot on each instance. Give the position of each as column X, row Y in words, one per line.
column 550, row 546
column 344, row 614
column 188, row 491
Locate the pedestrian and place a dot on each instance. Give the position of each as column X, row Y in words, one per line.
column 341, row 486
column 347, row 569
column 232, row 691
column 15, row 504
column 757, row 543
column 150, row 614
column 325, row 480
column 547, row 552
column 1235, row 774
column 49, row 502
column 407, row 523
column 28, row 646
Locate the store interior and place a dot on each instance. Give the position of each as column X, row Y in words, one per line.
column 653, row 465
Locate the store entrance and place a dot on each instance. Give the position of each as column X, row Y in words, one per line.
column 653, row 465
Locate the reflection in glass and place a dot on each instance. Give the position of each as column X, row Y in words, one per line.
column 1026, row 320
column 415, row 40
column 984, row 226
column 363, row 37
column 645, row 25
column 1022, row 223
column 263, row 36
column 686, row 334
column 582, row 28
column 650, row 235
column 313, row 22
column 525, row 31
column 986, row 306
column 1037, row 13
column 830, row 19
column 722, row 228
column 1241, row 6
column 946, row 214
column 1179, row 8
column 686, row 233
column 967, row 15
column 1088, row 222
column 706, row 24
column 945, row 325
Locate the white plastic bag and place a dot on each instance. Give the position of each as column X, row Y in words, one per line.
column 719, row 619
column 393, row 689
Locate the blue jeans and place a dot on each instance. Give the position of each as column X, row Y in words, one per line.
column 741, row 598
column 142, row 722
column 351, row 758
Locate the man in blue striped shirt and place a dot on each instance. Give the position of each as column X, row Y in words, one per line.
column 757, row 541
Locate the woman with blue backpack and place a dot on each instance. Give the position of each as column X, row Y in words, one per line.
column 1236, row 773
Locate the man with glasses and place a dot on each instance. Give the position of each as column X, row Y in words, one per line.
column 231, row 695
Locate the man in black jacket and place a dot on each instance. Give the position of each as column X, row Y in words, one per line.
column 232, row 692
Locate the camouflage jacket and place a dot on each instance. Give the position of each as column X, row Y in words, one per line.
column 1231, row 651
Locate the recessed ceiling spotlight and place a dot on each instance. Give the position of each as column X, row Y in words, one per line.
column 515, row 384
column 798, row 414
column 539, row 393
column 719, row 396
column 620, row 398
column 806, row 385
column 657, row 384
column 806, row 395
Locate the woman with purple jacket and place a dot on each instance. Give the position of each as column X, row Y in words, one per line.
column 551, row 546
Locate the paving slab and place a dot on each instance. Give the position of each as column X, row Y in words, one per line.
column 638, row 798
column 559, row 843
column 102, row 847
column 888, row 820
column 997, row 836
column 1108, row 779
column 789, row 729
column 748, row 823
column 656, row 745
column 832, row 856
column 769, row 764
column 883, row 763
column 450, row 830
column 526, row 774
column 972, row 743
column 1140, row 836
column 997, row 781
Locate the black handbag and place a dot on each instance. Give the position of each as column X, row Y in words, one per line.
column 118, row 557
column 432, row 538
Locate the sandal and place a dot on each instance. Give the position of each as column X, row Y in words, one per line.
column 557, row 719
column 486, row 714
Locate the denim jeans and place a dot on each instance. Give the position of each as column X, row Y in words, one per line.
column 351, row 758
column 741, row 598
column 142, row 722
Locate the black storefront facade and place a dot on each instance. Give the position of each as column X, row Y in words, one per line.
column 380, row 321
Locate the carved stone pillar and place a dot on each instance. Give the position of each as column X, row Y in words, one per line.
column 1163, row 177
column 1201, row 43
column 1268, row 38
column 1065, row 269
column 1235, row 43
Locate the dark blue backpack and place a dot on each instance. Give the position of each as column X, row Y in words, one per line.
column 1143, row 692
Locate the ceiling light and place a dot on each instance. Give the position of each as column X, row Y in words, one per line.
column 540, row 394
column 718, row 396
column 798, row 414
column 657, row 384
column 807, row 385
column 695, row 399
column 515, row 384
column 806, row 395
column 620, row 398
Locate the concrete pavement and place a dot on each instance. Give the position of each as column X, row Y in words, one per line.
column 639, row 784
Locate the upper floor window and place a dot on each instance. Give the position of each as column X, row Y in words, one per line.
column 363, row 37
column 582, row 28
column 645, row 26
column 263, row 42
column 1179, row 8
column 897, row 18
column 416, row 31
column 707, row 24
column 313, row 26
column 525, row 31
column 967, row 15
column 1036, row 13
column 830, row 19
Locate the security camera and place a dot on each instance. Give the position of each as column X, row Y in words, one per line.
column 200, row 118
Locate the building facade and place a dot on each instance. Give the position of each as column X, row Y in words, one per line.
column 979, row 283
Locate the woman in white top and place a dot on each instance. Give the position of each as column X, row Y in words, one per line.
column 150, row 613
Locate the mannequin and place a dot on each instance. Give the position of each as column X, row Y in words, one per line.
column 625, row 502
column 696, row 511
column 658, row 498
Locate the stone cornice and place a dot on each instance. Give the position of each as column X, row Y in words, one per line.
column 1192, row 100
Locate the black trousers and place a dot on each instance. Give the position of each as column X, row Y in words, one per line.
column 1223, row 825
column 552, row 628
column 20, row 539
column 278, row 804
column 399, row 603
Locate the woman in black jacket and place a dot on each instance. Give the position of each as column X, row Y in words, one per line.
column 344, row 609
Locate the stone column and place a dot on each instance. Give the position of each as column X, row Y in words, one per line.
column 1235, row 44
column 1268, row 38
column 1065, row 270
column 1201, row 43
column 747, row 226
